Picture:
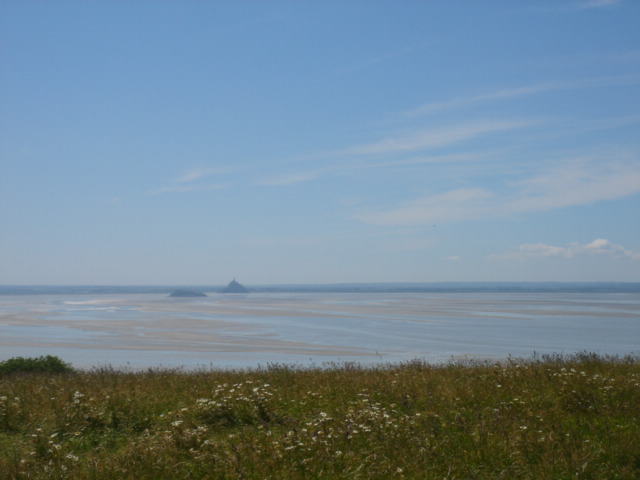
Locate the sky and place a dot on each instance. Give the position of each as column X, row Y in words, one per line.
column 280, row 142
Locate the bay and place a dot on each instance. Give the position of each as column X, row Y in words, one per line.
column 314, row 328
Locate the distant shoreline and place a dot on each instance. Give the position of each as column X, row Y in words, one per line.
column 430, row 287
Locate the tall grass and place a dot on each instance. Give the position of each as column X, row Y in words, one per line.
column 552, row 417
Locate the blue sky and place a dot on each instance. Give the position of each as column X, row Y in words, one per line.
column 317, row 142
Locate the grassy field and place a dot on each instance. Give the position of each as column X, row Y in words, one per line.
column 544, row 418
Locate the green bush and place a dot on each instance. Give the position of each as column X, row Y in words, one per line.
column 43, row 364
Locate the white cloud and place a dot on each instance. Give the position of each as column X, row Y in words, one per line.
column 572, row 182
column 605, row 247
column 431, row 138
column 598, row 247
column 198, row 173
column 189, row 181
column 597, row 4
column 530, row 250
column 460, row 204
column 421, row 159
column 515, row 92
column 579, row 182
column 496, row 95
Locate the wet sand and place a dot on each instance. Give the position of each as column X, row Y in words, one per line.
column 232, row 330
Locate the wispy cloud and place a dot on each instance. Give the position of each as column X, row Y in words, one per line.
column 514, row 92
column 573, row 182
column 432, row 138
column 404, row 149
column 194, row 174
column 599, row 247
column 434, row 107
column 596, row 4
column 460, row 204
column 576, row 182
column 435, row 159
column 190, row 181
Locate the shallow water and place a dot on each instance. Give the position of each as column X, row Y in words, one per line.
column 149, row 330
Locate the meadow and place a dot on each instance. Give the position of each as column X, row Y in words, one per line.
column 556, row 417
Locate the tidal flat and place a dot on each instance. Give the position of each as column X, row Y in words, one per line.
column 240, row 331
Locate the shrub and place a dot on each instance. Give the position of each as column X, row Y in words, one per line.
column 42, row 364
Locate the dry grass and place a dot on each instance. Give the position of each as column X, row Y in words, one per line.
column 560, row 418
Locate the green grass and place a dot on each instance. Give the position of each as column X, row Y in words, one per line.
column 544, row 418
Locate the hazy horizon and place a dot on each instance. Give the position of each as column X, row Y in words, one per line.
column 327, row 288
column 190, row 143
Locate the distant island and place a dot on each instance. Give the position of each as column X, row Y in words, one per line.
column 391, row 287
column 187, row 293
column 234, row 287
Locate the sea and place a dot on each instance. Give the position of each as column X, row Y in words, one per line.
column 315, row 326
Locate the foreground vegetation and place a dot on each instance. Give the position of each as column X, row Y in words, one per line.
column 47, row 364
column 559, row 417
